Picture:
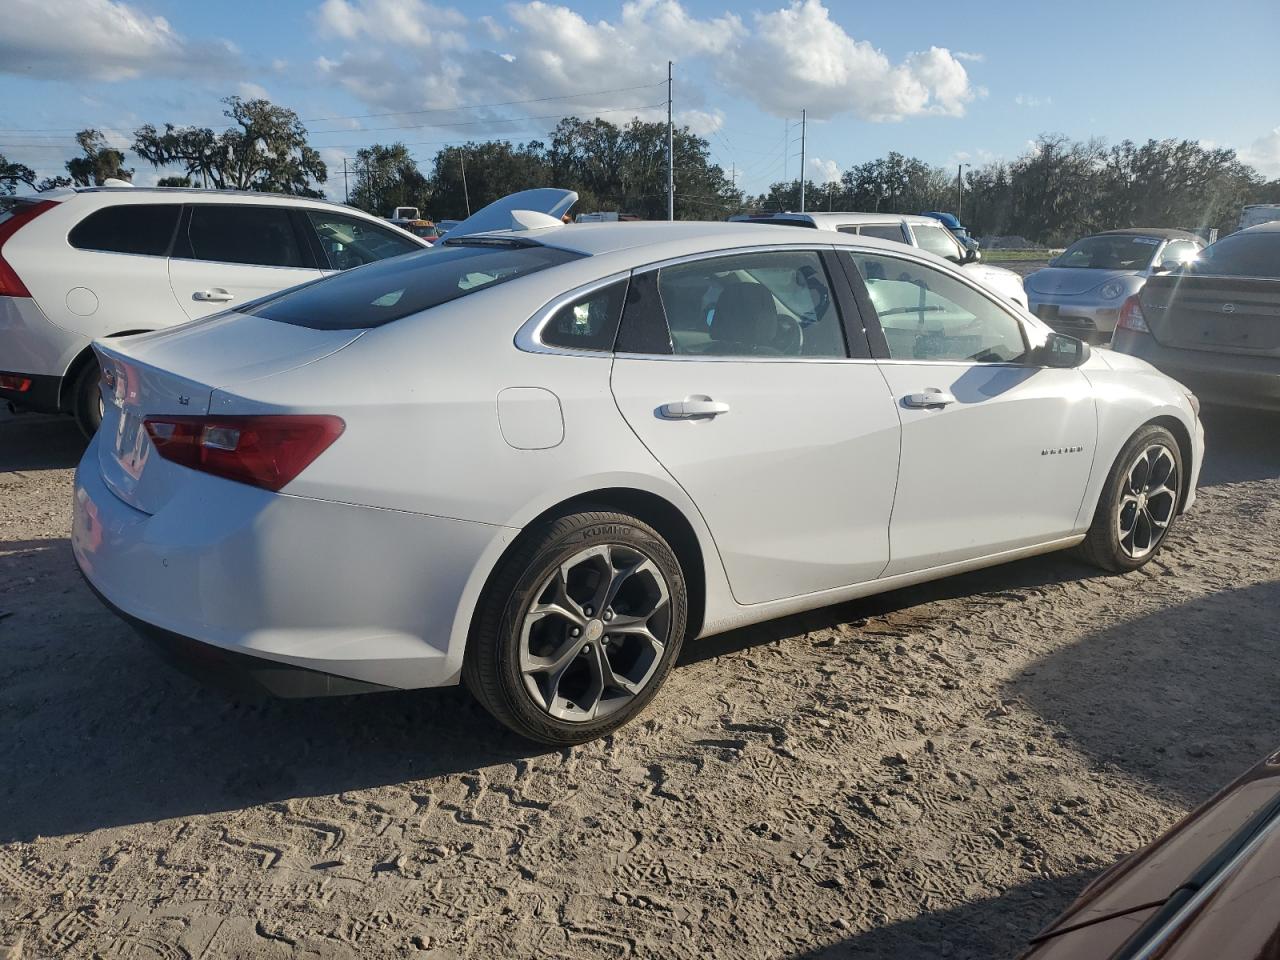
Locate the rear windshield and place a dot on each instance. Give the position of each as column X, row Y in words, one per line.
column 784, row 221
column 1114, row 252
column 381, row 292
column 1242, row 255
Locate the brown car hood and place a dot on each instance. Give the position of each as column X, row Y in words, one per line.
column 1244, row 910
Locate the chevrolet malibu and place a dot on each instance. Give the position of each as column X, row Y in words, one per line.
column 539, row 459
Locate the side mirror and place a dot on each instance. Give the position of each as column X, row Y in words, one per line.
column 971, row 255
column 1166, row 266
column 1062, row 351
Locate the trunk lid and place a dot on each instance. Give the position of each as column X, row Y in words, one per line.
column 1237, row 315
column 176, row 371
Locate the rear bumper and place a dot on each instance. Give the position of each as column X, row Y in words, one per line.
column 234, row 574
column 35, row 347
column 41, row 396
column 1216, row 378
column 237, row 672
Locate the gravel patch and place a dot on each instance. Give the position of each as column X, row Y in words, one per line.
column 934, row 772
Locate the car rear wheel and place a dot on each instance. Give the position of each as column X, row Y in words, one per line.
column 578, row 628
column 86, row 399
column 1139, row 503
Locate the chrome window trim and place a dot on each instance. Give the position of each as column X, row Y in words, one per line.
column 529, row 337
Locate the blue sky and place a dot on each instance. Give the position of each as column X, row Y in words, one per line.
column 943, row 81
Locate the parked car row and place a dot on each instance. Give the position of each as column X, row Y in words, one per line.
column 925, row 232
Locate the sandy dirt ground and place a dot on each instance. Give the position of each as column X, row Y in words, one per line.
column 932, row 773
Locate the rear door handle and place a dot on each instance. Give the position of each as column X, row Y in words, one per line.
column 693, row 408
column 930, row 398
column 216, row 295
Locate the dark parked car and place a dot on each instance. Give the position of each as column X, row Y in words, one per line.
column 1214, row 324
column 1208, row 888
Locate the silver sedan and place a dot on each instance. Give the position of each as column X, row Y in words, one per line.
column 1081, row 291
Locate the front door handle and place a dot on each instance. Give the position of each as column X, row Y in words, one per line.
column 216, row 295
column 693, row 408
column 932, row 397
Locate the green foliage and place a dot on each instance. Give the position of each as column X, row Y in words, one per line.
column 174, row 182
column 13, row 174
column 99, row 163
column 611, row 168
column 265, row 149
column 1056, row 192
column 382, row 178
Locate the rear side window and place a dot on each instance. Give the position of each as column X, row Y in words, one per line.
column 237, row 233
column 144, row 229
column 352, row 242
column 400, row 286
column 588, row 323
column 883, row 231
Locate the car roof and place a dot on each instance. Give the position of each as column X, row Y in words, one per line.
column 649, row 241
column 1165, row 233
column 825, row 219
column 231, row 196
column 1271, row 226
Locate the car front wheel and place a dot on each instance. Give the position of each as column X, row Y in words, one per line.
column 1139, row 503
column 578, row 628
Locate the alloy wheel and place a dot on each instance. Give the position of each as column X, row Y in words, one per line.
column 596, row 632
column 1148, row 501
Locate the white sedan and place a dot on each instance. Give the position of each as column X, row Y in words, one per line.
column 540, row 459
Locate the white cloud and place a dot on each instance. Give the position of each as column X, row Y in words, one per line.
column 798, row 57
column 702, row 122
column 405, row 22
column 822, row 171
column 251, row 91
column 1032, row 101
column 1264, row 154
column 98, row 39
column 971, row 57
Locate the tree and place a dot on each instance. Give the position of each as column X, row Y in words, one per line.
column 386, row 177
column 265, row 149
column 493, row 170
column 99, row 163
column 174, row 182
column 13, row 174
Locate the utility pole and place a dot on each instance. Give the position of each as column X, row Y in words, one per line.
column 671, row 154
column 786, row 147
column 462, row 160
column 346, row 194
column 803, row 130
column 960, row 185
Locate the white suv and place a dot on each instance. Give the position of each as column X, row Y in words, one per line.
column 82, row 264
column 923, row 232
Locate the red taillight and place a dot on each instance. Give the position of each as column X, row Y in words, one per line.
column 1131, row 316
column 10, row 284
column 15, row 381
column 266, row 451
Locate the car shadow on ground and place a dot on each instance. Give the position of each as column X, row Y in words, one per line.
column 1199, row 681
column 1240, row 445
column 994, row 929
column 1006, row 579
column 31, row 441
column 100, row 731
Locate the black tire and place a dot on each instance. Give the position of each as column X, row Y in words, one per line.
column 492, row 666
column 1104, row 546
column 86, row 398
